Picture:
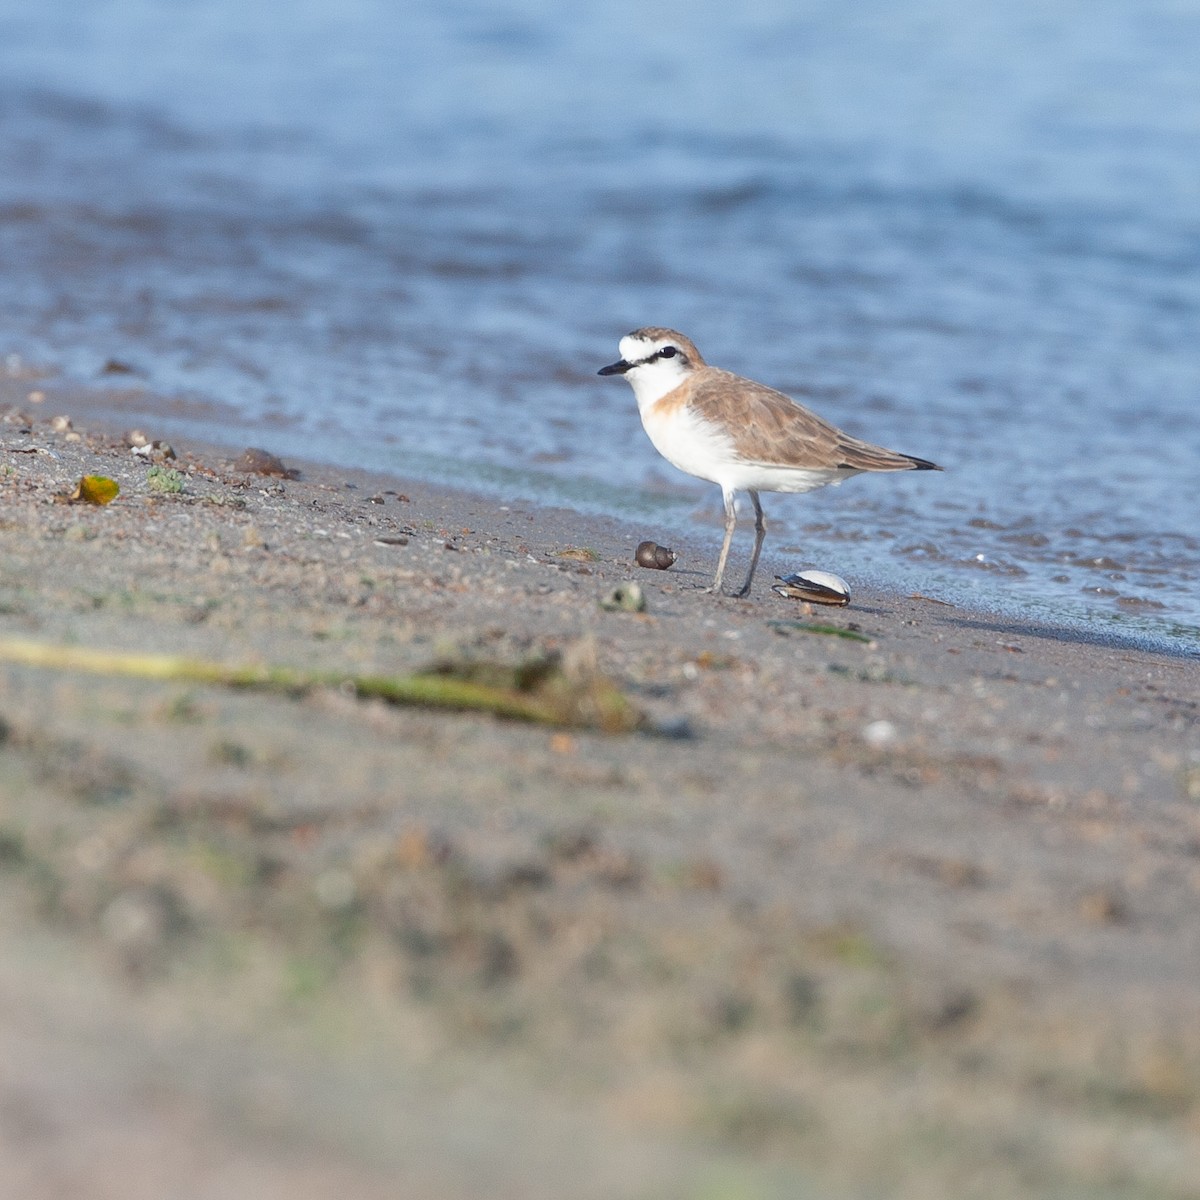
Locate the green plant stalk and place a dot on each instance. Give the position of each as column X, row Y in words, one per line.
column 828, row 630
column 611, row 712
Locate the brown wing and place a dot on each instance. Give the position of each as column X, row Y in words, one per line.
column 771, row 429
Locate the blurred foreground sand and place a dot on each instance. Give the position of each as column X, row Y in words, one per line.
column 912, row 914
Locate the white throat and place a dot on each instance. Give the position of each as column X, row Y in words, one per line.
column 653, row 380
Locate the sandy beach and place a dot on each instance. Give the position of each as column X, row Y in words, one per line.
column 896, row 899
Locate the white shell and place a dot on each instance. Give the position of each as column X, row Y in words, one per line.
column 818, row 587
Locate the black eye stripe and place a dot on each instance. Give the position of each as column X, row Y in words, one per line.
column 663, row 352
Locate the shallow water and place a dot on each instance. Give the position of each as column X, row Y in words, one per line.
column 409, row 235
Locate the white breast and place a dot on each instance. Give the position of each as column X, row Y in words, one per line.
column 687, row 442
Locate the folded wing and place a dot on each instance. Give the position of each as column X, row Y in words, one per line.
column 771, row 429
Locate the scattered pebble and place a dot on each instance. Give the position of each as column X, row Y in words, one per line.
column 132, row 919
column 879, row 734
column 704, row 875
column 562, row 743
column 418, row 848
column 571, row 844
column 262, row 462
column 625, row 597
column 1105, row 906
column 115, row 366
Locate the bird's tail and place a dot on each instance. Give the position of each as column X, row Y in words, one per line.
column 920, row 464
column 858, row 455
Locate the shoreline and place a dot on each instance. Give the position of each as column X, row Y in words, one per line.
column 101, row 407
column 881, row 909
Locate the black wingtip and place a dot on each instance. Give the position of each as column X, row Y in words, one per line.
column 922, row 464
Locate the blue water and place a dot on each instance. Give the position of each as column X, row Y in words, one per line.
column 408, row 234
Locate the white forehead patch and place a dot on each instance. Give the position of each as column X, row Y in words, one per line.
column 633, row 348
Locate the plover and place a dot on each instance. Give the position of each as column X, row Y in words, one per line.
column 738, row 434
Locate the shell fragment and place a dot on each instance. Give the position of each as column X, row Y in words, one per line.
column 817, row 587
column 654, row 556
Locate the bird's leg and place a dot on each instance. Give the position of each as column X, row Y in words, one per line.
column 760, row 532
column 730, row 524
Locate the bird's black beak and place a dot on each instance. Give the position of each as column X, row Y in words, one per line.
column 617, row 368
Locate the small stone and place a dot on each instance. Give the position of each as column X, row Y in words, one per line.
column 114, row 366
column 1105, row 906
column 879, row 734
column 261, row 462
column 625, row 597
column 418, row 848
column 704, row 875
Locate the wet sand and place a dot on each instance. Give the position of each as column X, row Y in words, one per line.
column 909, row 912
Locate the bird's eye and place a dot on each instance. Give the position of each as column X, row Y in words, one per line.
column 668, row 352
